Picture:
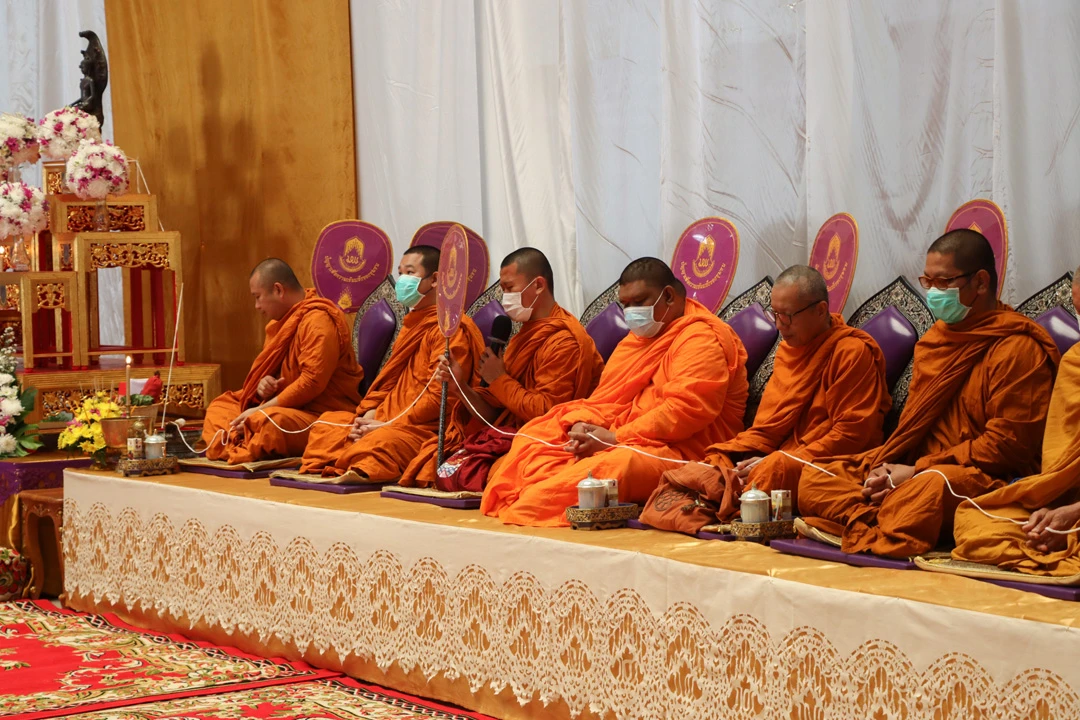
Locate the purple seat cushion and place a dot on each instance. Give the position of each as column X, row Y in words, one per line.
column 757, row 332
column 485, row 317
column 820, row 551
column 374, row 333
column 608, row 329
column 1061, row 325
column 896, row 337
column 468, row 503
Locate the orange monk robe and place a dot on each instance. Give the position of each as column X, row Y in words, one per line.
column 310, row 349
column 384, row 453
column 975, row 411
column 824, row 399
column 672, row 396
column 999, row 542
column 549, row 361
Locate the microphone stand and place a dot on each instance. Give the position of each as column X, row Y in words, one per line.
column 442, row 416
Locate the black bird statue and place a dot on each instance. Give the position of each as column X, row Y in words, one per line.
column 95, row 70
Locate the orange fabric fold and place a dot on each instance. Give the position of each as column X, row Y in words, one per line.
column 672, row 395
column 999, row 542
column 310, row 350
column 549, row 361
column 824, row 399
column 975, row 412
column 383, row 454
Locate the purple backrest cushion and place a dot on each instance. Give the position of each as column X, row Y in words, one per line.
column 608, row 329
column 896, row 337
column 485, row 317
column 374, row 333
column 757, row 332
column 1061, row 325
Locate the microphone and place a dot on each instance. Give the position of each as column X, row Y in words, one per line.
column 501, row 328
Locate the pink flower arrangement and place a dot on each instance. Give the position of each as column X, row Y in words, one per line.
column 61, row 131
column 97, row 170
column 18, row 140
column 23, row 209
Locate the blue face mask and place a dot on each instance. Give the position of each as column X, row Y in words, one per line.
column 640, row 319
column 407, row 290
column 946, row 306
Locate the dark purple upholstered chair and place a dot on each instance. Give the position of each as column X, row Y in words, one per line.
column 1052, row 308
column 605, row 322
column 896, row 337
column 1061, row 324
column 758, row 334
column 745, row 315
column 896, row 317
column 374, row 329
column 485, row 309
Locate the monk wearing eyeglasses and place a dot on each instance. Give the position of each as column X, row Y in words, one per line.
column 826, row 397
column 973, row 420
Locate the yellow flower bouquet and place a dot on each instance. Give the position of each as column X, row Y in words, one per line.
column 84, row 432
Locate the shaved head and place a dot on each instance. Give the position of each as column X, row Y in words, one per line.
column 970, row 251
column 654, row 273
column 532, row 264
column 811, row 284
column 273, row 270
column 429, row 257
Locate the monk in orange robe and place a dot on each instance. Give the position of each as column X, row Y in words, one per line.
column 674, row 386
column 549, row 361
column 827, row 397
column 1048, row 504
column 306, row 368
column 376, row 442
column 974, row 416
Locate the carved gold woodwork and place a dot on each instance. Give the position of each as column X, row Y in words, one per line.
column 127, row 213
column 51, row 296
column 28, row 292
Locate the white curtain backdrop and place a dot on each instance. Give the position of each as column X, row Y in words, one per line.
column 40, row 52
column 597, row 130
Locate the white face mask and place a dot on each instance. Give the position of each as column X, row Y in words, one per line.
column 641, row 320
column 511, row 303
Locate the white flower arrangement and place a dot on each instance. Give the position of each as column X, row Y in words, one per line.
column 23, row 209
column 61, row 131
column 18, row 140
column 97, row 170
column 16, row 437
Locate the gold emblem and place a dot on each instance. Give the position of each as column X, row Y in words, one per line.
column 703, row 263
column 452, row 272
column 832, row 258
column 975, row 226
column 352, row 260
column 344, row 300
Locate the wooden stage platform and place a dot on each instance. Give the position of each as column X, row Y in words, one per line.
column 524, row 623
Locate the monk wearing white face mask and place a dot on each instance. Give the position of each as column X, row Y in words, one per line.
column 550, row 360
column 674, row 386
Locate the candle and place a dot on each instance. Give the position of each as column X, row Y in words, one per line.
column 127, row 386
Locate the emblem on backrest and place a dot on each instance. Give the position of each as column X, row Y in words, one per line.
column 352, row 259
column 832, row 258
column 703, row 263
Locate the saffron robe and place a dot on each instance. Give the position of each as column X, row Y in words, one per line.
column 310, row 349
column 671, row 396
column 383, row 454
column 824, row 399
column 999, row 542
column 547, row 362
column 975, row 412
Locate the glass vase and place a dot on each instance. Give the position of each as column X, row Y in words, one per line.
column 101, row 216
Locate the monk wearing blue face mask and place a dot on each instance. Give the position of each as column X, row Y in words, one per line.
column 372, row 450
column 974, row 416
column 674, row 386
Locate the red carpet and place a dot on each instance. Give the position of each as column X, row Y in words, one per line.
column 340, row 699
column 56, row 663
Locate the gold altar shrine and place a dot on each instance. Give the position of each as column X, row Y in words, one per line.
column 49, row 293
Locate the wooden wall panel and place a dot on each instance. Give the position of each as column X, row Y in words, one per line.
column 241, row 114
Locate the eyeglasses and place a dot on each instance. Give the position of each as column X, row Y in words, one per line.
column 941, row 283
column 786, row 318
